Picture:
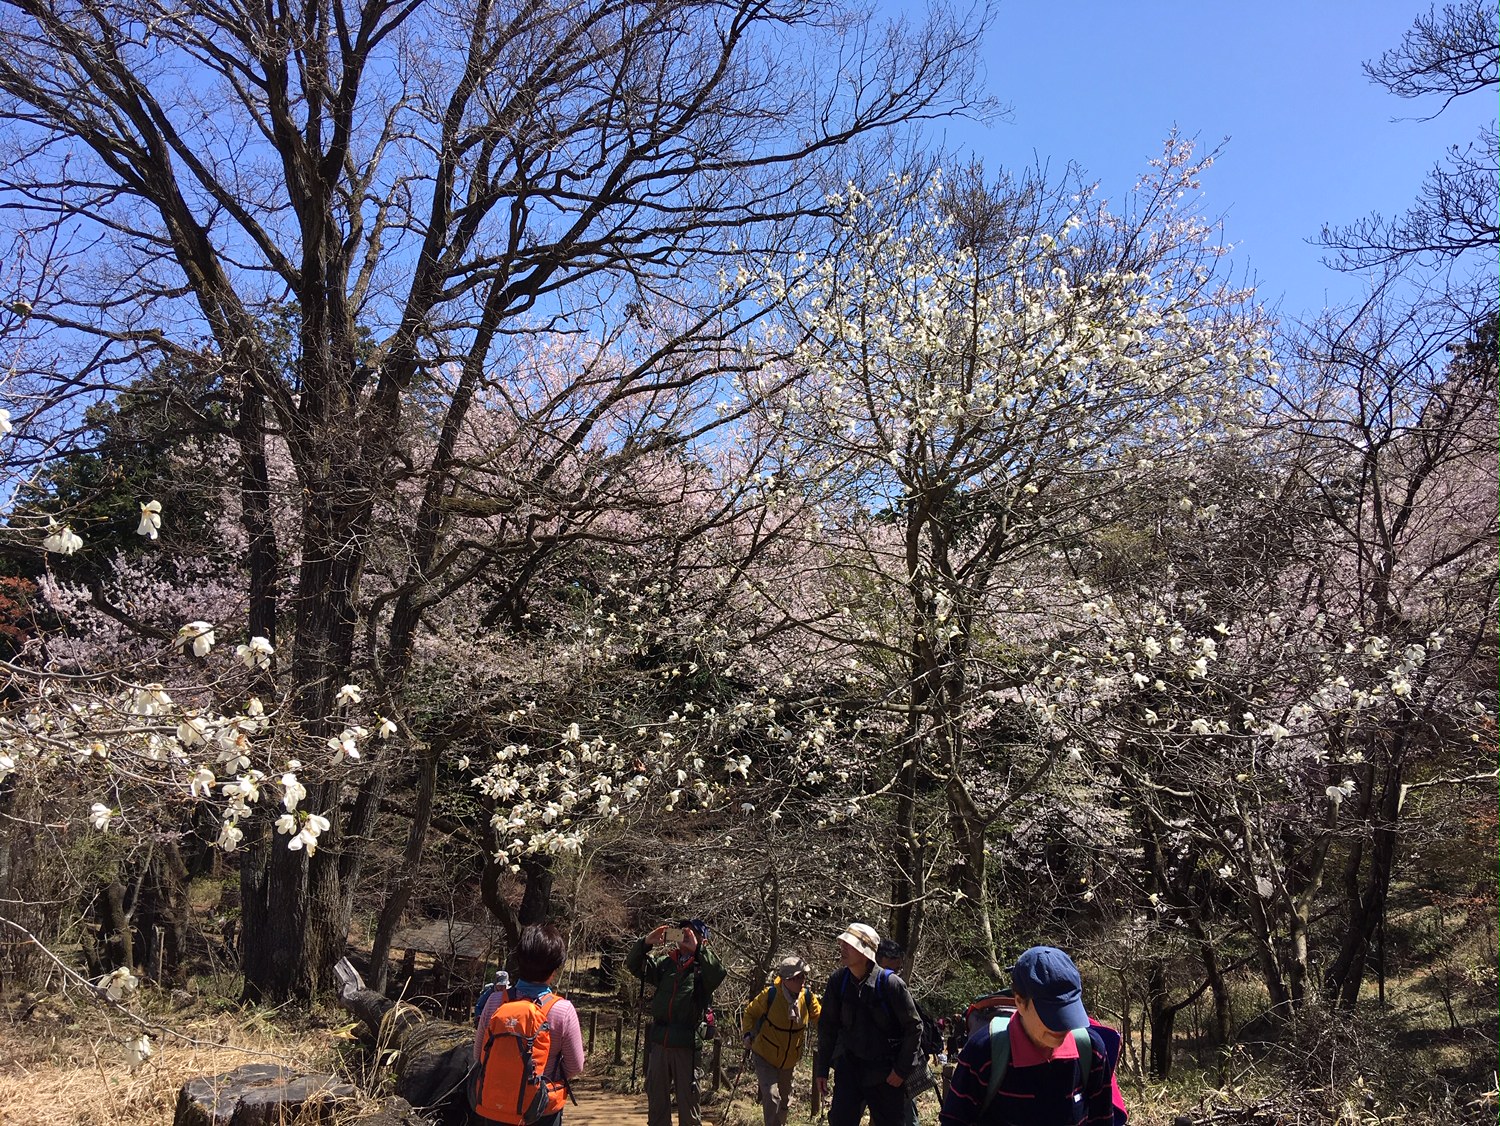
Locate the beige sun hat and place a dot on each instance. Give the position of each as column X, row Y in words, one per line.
column 790, row 966
column 863, row 938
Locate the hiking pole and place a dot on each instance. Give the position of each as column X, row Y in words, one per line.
column 635, row 1054
column 735, row 1086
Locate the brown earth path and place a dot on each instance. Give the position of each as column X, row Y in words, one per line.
column 598, row 1107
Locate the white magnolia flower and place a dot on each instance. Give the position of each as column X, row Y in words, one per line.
column 286, row 823
column 193, row 732
column 61, row 539
column 1337, row 794
column 138, row 1050
column 150, row 699
column 571, row 735
column 118, row 983
column 230, row 836
column 1200, row 727
column 150, row 523
column 200, row 635
column 257, row 654
column 349, row 694
column 202, row 785
column 5, row 426
column 7, row 767
column 307, row 838
column 385, row 729
column 99, row 816
column 344, row 744
column 292, row 791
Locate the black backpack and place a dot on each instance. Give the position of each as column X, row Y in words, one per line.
column 932, row 1035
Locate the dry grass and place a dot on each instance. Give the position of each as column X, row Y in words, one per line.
column 64, row 1063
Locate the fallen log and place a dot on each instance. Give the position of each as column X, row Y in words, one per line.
column 431, row 1058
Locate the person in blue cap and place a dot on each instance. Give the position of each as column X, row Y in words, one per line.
column 1048, row 1065
column 685, row 978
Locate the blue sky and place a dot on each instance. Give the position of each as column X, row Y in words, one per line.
column 1310, row 138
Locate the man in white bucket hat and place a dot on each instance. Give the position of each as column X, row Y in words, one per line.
column 869, row 1036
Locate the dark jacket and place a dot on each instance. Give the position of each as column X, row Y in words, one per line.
column 869, row 1026
column 1041, row 1094
column 684, row 988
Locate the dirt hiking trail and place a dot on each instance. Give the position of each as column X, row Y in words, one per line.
column 597, row 1107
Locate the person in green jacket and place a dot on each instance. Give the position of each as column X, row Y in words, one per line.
column 685, row 978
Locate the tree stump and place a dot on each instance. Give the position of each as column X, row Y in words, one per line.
column 259, row 1094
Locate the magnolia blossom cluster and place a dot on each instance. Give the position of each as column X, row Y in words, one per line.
column 61, row 539
column 141, row 744
column 1228, row 732
column 918, row 347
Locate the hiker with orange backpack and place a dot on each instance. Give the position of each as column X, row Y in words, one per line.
column 528, row 1046
column 775, row 1026
column 1047, row 1063
column 685, row 978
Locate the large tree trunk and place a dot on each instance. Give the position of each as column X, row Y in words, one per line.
column 969, row 831
column 303, row 913
column 1368, row 897
column 1161, row 1015
column 398, row 894
column 160, row 915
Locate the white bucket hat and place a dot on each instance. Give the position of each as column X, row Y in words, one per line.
column 862, row 937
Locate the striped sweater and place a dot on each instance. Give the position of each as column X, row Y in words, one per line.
column 1039, row 1089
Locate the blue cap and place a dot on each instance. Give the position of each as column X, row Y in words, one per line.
column 697, row 926
column 1048, row 978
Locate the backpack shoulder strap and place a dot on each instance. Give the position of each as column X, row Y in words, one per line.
column 999, row 1056
column 1085, row 1044
column 765, row 1016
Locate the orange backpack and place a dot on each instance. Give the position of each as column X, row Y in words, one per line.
column 508, row 1085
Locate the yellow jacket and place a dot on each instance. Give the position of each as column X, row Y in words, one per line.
column 768, row 1025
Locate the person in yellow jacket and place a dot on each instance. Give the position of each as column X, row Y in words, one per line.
column 775, row 1026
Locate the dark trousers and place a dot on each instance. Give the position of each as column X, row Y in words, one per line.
column 887, row 1105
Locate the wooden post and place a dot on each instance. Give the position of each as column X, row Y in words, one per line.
column 619, row 1040
column 593, row 1028
column 717, row 1059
